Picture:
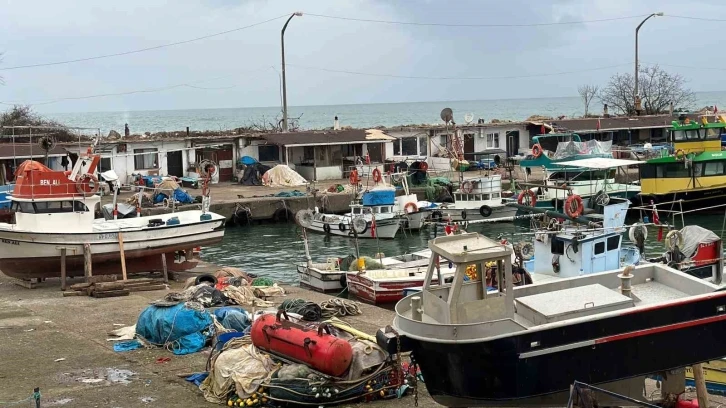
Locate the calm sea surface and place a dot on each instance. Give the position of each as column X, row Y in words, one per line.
column 360, row 116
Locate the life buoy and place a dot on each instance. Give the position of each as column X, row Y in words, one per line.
column 463, row 215
column 410, row 208
column 341, row 227
column 537, row 150
column 680, row 154
column 673, row 238
column 467, row 186
column 326, row 228
column 87, row 184
column 573, row 206
column 485, row 211
column 360, row 225
column 377, row 176
column 353, row 177
column 423, row 166
column 528, row 198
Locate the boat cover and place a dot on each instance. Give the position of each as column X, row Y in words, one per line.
column 183, row 328
column 590, row 147
column 693, row 235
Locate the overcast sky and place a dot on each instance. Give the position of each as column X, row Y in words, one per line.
column 238, row 67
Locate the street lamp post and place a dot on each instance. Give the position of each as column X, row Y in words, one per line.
column 284, row 84
column 636, row 90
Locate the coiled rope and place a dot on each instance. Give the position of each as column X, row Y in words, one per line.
column 339, row 307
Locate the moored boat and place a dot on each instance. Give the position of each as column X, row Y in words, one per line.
column 54, row 213
column 476, row 347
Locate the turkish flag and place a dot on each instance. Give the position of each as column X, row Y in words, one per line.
column 542, row 130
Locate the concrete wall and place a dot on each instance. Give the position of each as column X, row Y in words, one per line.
column 323, row 173
column 123, row 163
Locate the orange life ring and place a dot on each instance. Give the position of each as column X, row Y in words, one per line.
column 412, row 206
column 680, row 154
column 531, row 201
column 423, row 166
column 467, row 186
column 573, row 206
column 83, row 184
column 377, row 176
column 537, row 150
column 353, row 177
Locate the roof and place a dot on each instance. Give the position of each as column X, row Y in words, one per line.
column 590, row 125
column 25, row 150
column 327, row 137
column 599, row 163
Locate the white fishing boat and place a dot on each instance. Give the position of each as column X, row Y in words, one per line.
column 477, row 199
column 54, row 214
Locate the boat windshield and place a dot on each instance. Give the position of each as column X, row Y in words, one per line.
column 580, row 175
column 710, row 133
column 48, row 207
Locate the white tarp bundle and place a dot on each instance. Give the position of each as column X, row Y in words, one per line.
column 569, row 149
column 693, row 235
column 282, row 176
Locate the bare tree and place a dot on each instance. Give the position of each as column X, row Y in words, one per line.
column 587, row 94
column 658, row 89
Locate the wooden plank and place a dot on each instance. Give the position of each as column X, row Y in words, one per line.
column 163, row 268
column 79, row 286
column 87, row 262
column 146, row 288
column 74, row 293
column 102, row 278
column 27, row 284
column 123, row 255
column 63, row 269
column 700, row 379
column 106, row 286
column 142, row 280
column 111, row 293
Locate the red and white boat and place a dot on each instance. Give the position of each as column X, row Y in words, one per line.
column 388, row 285
column 54, row 211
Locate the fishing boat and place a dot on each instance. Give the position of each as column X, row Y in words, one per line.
column 477, row 198
column 695, row 173
column 375, row 216
column 525, row 346
column 592, row 179
column 54, row 214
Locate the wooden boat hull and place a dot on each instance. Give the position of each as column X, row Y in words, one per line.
column 321, row 281
column 511, row 371
column 26, row 255
column 380, row 291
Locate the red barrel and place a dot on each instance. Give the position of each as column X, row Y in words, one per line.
column 317, row 349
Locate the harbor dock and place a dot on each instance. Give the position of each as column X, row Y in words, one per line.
column 59, row 344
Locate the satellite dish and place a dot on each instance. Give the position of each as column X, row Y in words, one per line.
column 47, row 143
column 447, row 115
column 468, row 118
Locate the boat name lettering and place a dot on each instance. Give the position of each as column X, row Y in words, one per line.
column 49, row 182
column 108, row 235
column 10, row 241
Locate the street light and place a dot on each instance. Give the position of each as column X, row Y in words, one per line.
column 636, row 90
column 284, row 85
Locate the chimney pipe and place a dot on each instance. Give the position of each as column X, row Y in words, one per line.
column 605, row 110
column 336, row 124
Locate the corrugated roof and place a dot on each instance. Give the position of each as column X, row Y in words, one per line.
column 327, row 137
column 613, row 123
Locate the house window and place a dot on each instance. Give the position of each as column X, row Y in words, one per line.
column 423, row 145
column 268, row 153
column 492, row 140
column 409, row 146
column 308, row 153
column 105, row 164
column 599, row 247
column 146, row 159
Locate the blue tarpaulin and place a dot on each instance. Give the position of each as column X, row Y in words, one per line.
column 180, row 196
column 182, row 329
column 247, row 160
column 128, row 345
column 233, row 318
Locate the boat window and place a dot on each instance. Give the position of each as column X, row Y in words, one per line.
column 557, row 246
column 464, row 197
column 374, row 210
column 384, row 210
column 713, row 133
column 496, row 195
column 613, row 243
column 697, row 169
column 673, row 170
column 714, row 168
column 679, row 135
column 24, row 207
column 647, row 171
column 599, row 247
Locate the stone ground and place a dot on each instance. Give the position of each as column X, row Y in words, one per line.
column 39, row 326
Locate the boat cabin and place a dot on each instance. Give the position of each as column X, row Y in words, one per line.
column 359, row 209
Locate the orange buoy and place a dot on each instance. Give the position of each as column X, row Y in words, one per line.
column 87, row 184
column 353, row 177
column 528, row 198
column 573, row 206
column 412, row 206
column 537, row 150
column 377, row 176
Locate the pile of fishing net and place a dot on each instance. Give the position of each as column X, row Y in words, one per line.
column 437, row 190
column 370, row 264
column 283, row 176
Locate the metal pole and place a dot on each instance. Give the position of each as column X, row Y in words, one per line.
column 636, row 92
column 284, row 83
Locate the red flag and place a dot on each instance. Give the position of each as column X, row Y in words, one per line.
column 656, row 221
column 373, row 227
column 542, row 130
column 598, row 124
column 715, row 108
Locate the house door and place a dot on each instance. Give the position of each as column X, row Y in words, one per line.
column 174, row 163
column 376, row 152
column 226, row 163
column 512, row 143
column 468, row 145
